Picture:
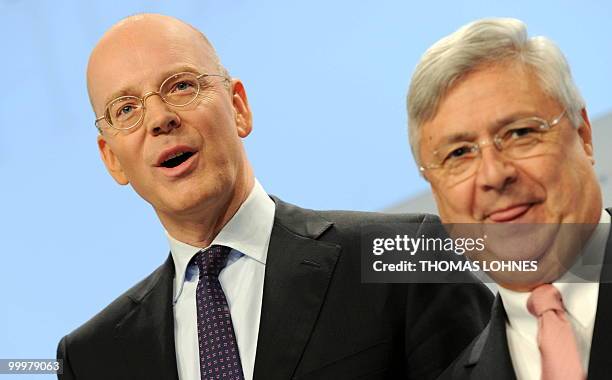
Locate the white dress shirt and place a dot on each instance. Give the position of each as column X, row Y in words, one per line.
column 579, row 299
column 248, row 234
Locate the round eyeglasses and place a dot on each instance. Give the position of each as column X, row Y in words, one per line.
column 178, row 90
column 521, row 139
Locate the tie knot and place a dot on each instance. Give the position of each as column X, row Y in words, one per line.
column 212, row 260
column 544, row 298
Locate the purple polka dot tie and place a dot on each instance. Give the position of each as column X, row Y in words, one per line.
column 219, row 357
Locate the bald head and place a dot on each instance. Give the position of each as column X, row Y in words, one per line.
column 122, row 48
column 163, row 20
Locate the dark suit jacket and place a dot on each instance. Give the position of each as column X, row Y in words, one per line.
column 488, row 356
column 318, row 321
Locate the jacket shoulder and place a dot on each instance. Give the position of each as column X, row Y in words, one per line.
column 350, row 218
column 314, row 223
column 102, row 326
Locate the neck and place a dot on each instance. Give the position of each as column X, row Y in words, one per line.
column 199, row 230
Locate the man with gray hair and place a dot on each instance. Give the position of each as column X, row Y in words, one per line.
column 501, row 133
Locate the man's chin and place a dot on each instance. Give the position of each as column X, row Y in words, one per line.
column 533, row 254
column 520, row 241
column 185, row 203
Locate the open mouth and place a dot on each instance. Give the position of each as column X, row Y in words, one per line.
column 176, row 159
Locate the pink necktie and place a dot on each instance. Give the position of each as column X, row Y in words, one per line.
column 560, row 358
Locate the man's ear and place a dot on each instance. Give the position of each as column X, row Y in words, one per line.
column 111, row 162
column 244, row 118
column 585, row 133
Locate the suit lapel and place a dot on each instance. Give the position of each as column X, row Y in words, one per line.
column 298, row 272
column 146, row 334
column 600, row 366
column 489, row 356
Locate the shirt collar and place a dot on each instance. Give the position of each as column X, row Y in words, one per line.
column 579, row 297
column 247, row 232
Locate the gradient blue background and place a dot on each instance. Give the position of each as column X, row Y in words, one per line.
column 326, row 82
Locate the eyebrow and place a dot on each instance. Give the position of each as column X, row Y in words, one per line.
column 163, row 75
column 493, row 128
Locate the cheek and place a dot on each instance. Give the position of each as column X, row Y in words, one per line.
column 130, row 155
column 564, row 179
column 213, row 121
column 216, row 108
column 218, row 132
column 568, row 168
column 454, row 205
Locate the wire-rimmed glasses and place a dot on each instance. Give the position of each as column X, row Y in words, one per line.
column 178, row 90
column 520, row 139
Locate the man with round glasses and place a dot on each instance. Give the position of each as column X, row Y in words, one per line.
column 254, row 288
column 501, row 133
column 178, row 90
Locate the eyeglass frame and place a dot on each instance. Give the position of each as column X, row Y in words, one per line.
column 496, row 141
column 151, row 93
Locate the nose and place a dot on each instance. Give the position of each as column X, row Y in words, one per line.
column 495, row 172
column 160, row 118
